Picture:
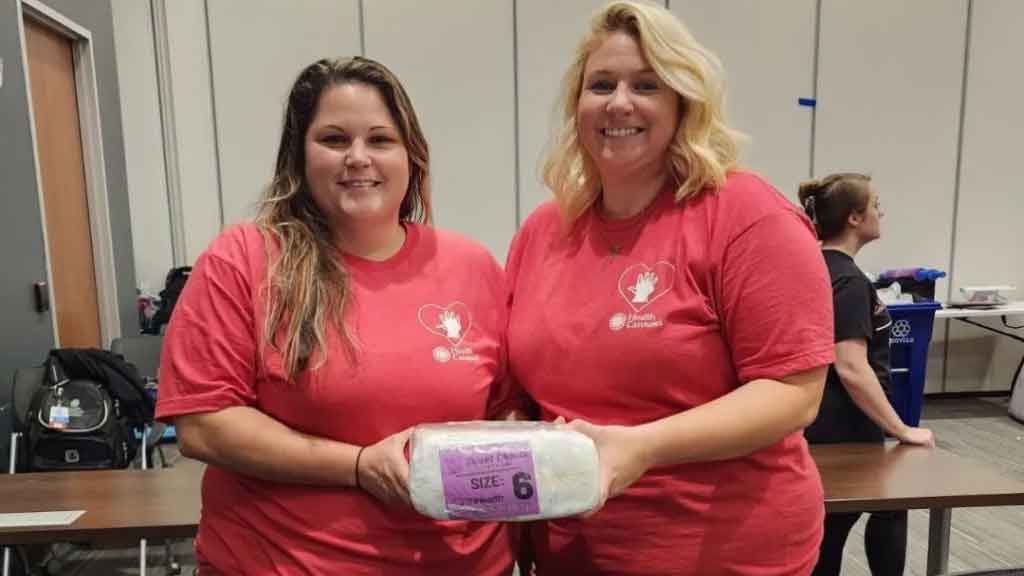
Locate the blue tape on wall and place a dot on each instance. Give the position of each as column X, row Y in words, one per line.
column 809, row 102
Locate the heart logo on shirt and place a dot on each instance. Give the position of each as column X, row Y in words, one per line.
column 641, row 284
column 450, row 322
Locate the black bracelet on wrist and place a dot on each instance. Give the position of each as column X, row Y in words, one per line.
column 358, row 456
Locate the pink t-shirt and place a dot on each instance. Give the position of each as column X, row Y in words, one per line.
column 703, row 296
column 430, row 324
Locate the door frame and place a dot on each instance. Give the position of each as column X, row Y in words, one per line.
column 92, row 159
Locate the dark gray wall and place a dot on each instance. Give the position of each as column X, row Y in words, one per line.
column 25, row 336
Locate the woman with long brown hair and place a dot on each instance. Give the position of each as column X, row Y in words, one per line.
column 307, row 343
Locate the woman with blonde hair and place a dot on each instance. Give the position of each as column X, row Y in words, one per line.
column 307, row 343
column 677, row 310
column 855, row 407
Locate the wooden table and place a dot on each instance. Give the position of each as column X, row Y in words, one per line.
column 131, row 504
column 872, row 477
column 120, row 505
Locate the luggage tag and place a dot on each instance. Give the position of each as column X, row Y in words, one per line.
column 60, row 416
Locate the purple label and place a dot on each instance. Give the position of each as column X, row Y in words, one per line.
column 489, row 481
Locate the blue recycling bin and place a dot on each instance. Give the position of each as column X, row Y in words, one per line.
column 909, row 337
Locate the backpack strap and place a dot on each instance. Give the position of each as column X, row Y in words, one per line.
column 55, row 374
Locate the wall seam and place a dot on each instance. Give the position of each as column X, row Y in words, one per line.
column 362, row 29
column 213, row 113
column 165, row 99
column 814, row 84
column 517, row 181
column 957, row 180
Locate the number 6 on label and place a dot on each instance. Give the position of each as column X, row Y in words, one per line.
column 522, row 485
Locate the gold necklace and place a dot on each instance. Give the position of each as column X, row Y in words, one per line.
column 616, row 248
column 636, row 226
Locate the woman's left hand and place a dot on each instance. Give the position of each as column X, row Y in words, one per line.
column 621, row 455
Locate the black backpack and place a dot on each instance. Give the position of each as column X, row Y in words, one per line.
column 79, row 421
column 173, row 285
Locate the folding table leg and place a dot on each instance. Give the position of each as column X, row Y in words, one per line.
column 11, row 470
column 145, row 466
column 938, row 541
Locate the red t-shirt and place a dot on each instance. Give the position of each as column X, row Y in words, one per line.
column 703, row 296
column 430, row 326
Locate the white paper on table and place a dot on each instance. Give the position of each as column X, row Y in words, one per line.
column 29, row 519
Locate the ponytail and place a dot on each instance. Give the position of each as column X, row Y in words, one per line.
column 809, row 191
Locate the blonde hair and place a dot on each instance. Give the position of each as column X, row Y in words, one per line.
column 307, row 284
column 703, row 149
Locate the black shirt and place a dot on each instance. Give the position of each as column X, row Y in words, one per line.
column 859, row 314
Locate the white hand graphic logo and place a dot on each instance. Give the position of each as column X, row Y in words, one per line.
column 449, row 322
column 645, row 283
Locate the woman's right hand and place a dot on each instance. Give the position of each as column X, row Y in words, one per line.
column 918, row 436
column 621, row 457
column 383, row 469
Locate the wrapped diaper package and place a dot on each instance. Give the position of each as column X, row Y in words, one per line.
column 502, row 471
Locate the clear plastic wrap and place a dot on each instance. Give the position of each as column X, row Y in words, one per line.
column 502, row 471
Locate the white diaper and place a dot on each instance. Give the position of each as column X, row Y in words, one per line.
column 503, row 471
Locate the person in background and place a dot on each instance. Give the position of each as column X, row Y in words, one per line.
column 675, row 309
column 855, row 407
column 306, row 345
